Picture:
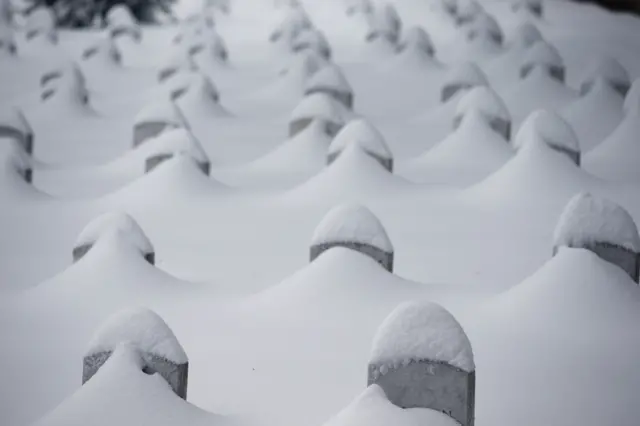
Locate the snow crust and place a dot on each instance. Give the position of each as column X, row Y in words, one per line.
column 352, row 223
column 589, row 219
column 362, row 132
column 142, row 328
column 118, row 223
column 550, row 127
column 417, row 331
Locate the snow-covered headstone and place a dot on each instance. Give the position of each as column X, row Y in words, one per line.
column 174, row 142
column 14, row 125
column 417, row 38
column 144, row 329
column 611, row 71
column 41, row 22
column 543, row 55
column 535, row 7
column 462, row 77
column 467, row 11
column 155, row 118
column 359, row 7
column 15, row 159
column 314, row 40
column 121, row 22
column 291, row 26
column 363, row 133
column 553, row 130
column 603, row 227
column 180, row 60
column 331, row 81
column 385, row 23
column 422, row 358
column 108, row 223
column 525, row 35
column 355, row 227
column 104, row 53
column 484, row 24
column 486, row 101
column 68, row 88
column 317, row 107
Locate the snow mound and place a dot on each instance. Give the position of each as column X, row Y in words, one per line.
column 632, row 100
column 526, row 35
column 329, row 78
column 372, row 408
column 417, row 38
column 174, row 142
column 423, row 330
column 142, row 328
column 551, row 128
column 543, row 55
column 318, row 106
column 352, row 223
column 486, row 101
column 180, row 60
column 610, row 70
column 201, row 99
column 296, row 74
column 362, row 132
column 467, row 11
column 295, row 21
column 484, row 24
column 114, row 223
column 314, row 40
column 462, row 76
column 41, row 22
column 588, row 220
column 384, row 23
column 535, row 7
column 69, row 91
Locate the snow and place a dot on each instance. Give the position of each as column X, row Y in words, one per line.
column 417, row 331
column 589, row 219
column 466, row 73
column 607, row 68
column 160, row 111
column 372, row 408
column 526, row 35
column 118, row 223
column 484, row 100
column 328, row 77
column 319, row 106
column 178, row 141
column 541, row 53
column 632, row 100
column 417, row 38
column 142, row 328
column 550, row 127
column 14, row 118
column 352, row 223
column 362, row 132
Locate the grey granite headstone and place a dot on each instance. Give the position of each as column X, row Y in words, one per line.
column 620, row 256
column 147, row 130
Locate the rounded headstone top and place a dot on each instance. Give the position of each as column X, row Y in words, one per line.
column 160, row 111
column 485, row 100
column 422, row 331
column 352, row 223
column 141, row 328
column 120, row 16
column 318, row 105
column 608, row 68
column 42, row 19
column 543, row 53
column 178, row 141
column 550, row 128
column 363, row 133
column 114, row 223
column 588, row 220
column 416, row 37
column 467, row 73
column 526, row 35
column 632, row 100
column 329, row 77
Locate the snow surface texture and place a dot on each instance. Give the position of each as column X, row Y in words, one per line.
column 142, row 328
column 352, row 223
column 422, row 331
column 470, row 216
column 589, row 220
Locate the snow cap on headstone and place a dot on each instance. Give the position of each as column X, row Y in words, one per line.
column 462, row 76
column 526, row 35
column 351, row 223
column 542, row 54
column 384, row 22
column 114, row 223
column 42, row 22
column 14, row 124
column 611, row 71
column 417, row 38
column 295, row 21
column 417, row 331
column 330, row 79
column 311, row 39
column 549, row 127
column 176, row 142
column 632, row 100
column 363, row 133
column 486, row 101
column 142, row 328
column 104, row 52
column 484, row 24
column 589, row 220
column 121, row 21
column 319, row 106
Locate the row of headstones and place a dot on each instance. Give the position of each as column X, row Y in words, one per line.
column 411, row 376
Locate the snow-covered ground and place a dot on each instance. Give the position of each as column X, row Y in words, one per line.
column 241, row 187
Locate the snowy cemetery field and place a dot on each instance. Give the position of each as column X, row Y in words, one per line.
column 293, row 198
